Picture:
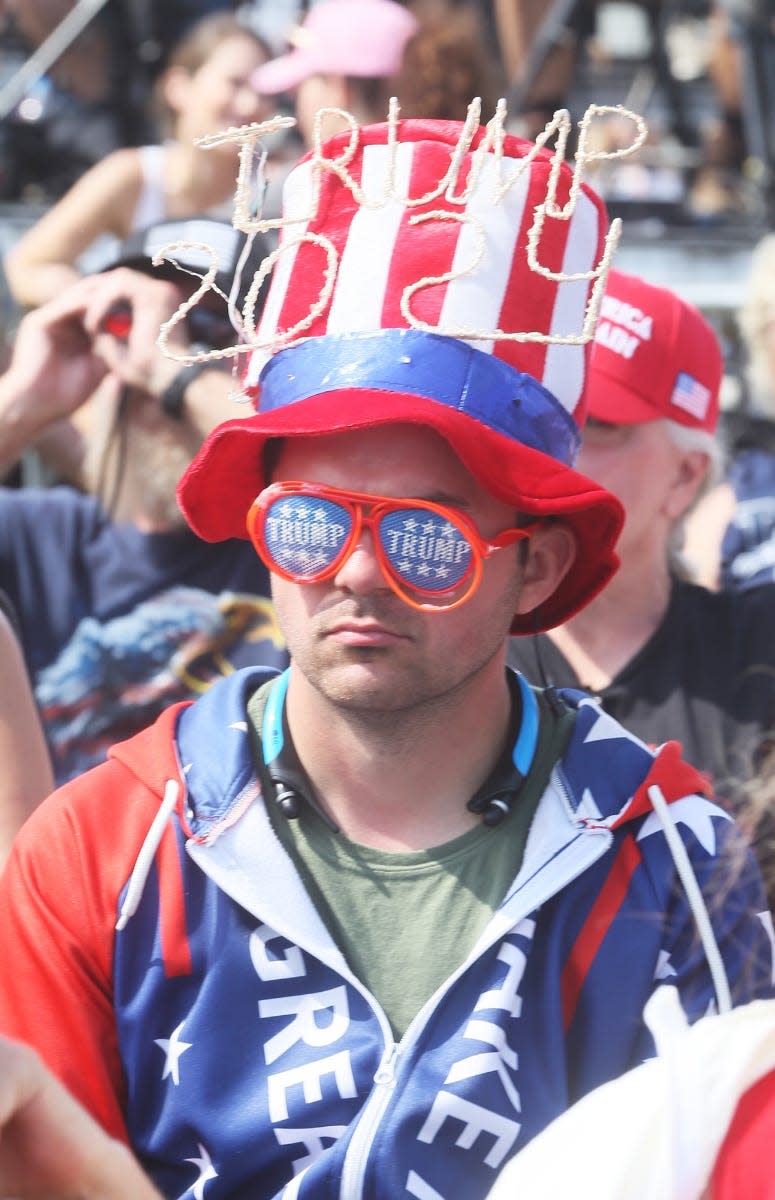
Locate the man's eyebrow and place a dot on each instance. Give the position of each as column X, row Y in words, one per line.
column 446, row 498
column 602, row 424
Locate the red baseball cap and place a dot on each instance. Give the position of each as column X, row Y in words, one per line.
column 654, row 355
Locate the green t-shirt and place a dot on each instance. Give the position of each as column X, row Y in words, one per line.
column 405, row 921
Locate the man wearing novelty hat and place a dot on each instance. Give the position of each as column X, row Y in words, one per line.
column 364, row 928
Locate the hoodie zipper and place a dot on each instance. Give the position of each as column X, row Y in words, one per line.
column 354, row 1168
column 385, row 1077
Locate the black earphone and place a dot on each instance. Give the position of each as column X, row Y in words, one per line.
column 498, row 793
column 281, row 762
column 493, row 801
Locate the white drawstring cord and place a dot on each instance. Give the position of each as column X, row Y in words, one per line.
column 695, row 898
column 145, row 858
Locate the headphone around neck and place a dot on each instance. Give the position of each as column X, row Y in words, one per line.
column 493, row 801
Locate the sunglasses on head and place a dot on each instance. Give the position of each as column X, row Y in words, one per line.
column 431, row 555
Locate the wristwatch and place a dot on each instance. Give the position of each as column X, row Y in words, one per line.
column 174, row 394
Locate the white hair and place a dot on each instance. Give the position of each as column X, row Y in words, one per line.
column 706, row 442
column 709, row 444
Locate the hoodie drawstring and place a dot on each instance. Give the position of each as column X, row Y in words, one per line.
column 695, row 897
column 144, row 860
column 150, row 845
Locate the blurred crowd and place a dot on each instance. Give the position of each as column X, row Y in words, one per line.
column 112, row 146
column 79, row 80
column 105, row 108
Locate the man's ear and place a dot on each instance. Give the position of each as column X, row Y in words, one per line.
column 551, row 553
column 692, row 466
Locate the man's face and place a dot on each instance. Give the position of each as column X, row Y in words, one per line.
column 642, row 466
column 351, row 636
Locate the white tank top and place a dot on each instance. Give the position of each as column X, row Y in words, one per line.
column 150, row 203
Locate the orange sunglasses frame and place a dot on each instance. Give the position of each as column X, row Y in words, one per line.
column 483, row 548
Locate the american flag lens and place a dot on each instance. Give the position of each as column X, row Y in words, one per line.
column 305, row 534
column 421, row 548
column 425, row 549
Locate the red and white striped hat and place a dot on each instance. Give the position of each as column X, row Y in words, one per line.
column 441, row 273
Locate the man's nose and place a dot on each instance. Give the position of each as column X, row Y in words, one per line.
column 361, row 572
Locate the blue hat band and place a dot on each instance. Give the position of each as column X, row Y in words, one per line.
column 431, row 367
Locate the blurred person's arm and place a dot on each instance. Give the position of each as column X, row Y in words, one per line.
column 62, row 352
column 26, row 776
column 140, row 363
column 516, row 25
column 544, row 70
column 50, row 1147
column 52, row 373
column 42, row 263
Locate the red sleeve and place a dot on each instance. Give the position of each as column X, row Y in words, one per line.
column 58, row 907
column 744, row 1164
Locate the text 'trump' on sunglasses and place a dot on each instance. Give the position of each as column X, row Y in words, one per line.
column 430, row 554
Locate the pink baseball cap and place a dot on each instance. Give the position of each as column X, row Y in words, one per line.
column 654, row 355
column 360, row 38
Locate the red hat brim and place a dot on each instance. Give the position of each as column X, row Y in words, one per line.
column 615, row 404
column 217, row 490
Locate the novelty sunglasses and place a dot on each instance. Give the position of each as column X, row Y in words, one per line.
column 430, row 555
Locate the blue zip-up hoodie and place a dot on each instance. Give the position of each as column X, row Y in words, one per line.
column 221, row 1032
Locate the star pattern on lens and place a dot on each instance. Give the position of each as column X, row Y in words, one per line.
column 303, row 536
column 418, row 543
column 290, row 510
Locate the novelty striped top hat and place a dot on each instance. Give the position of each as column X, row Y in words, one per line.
column 437, row 272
